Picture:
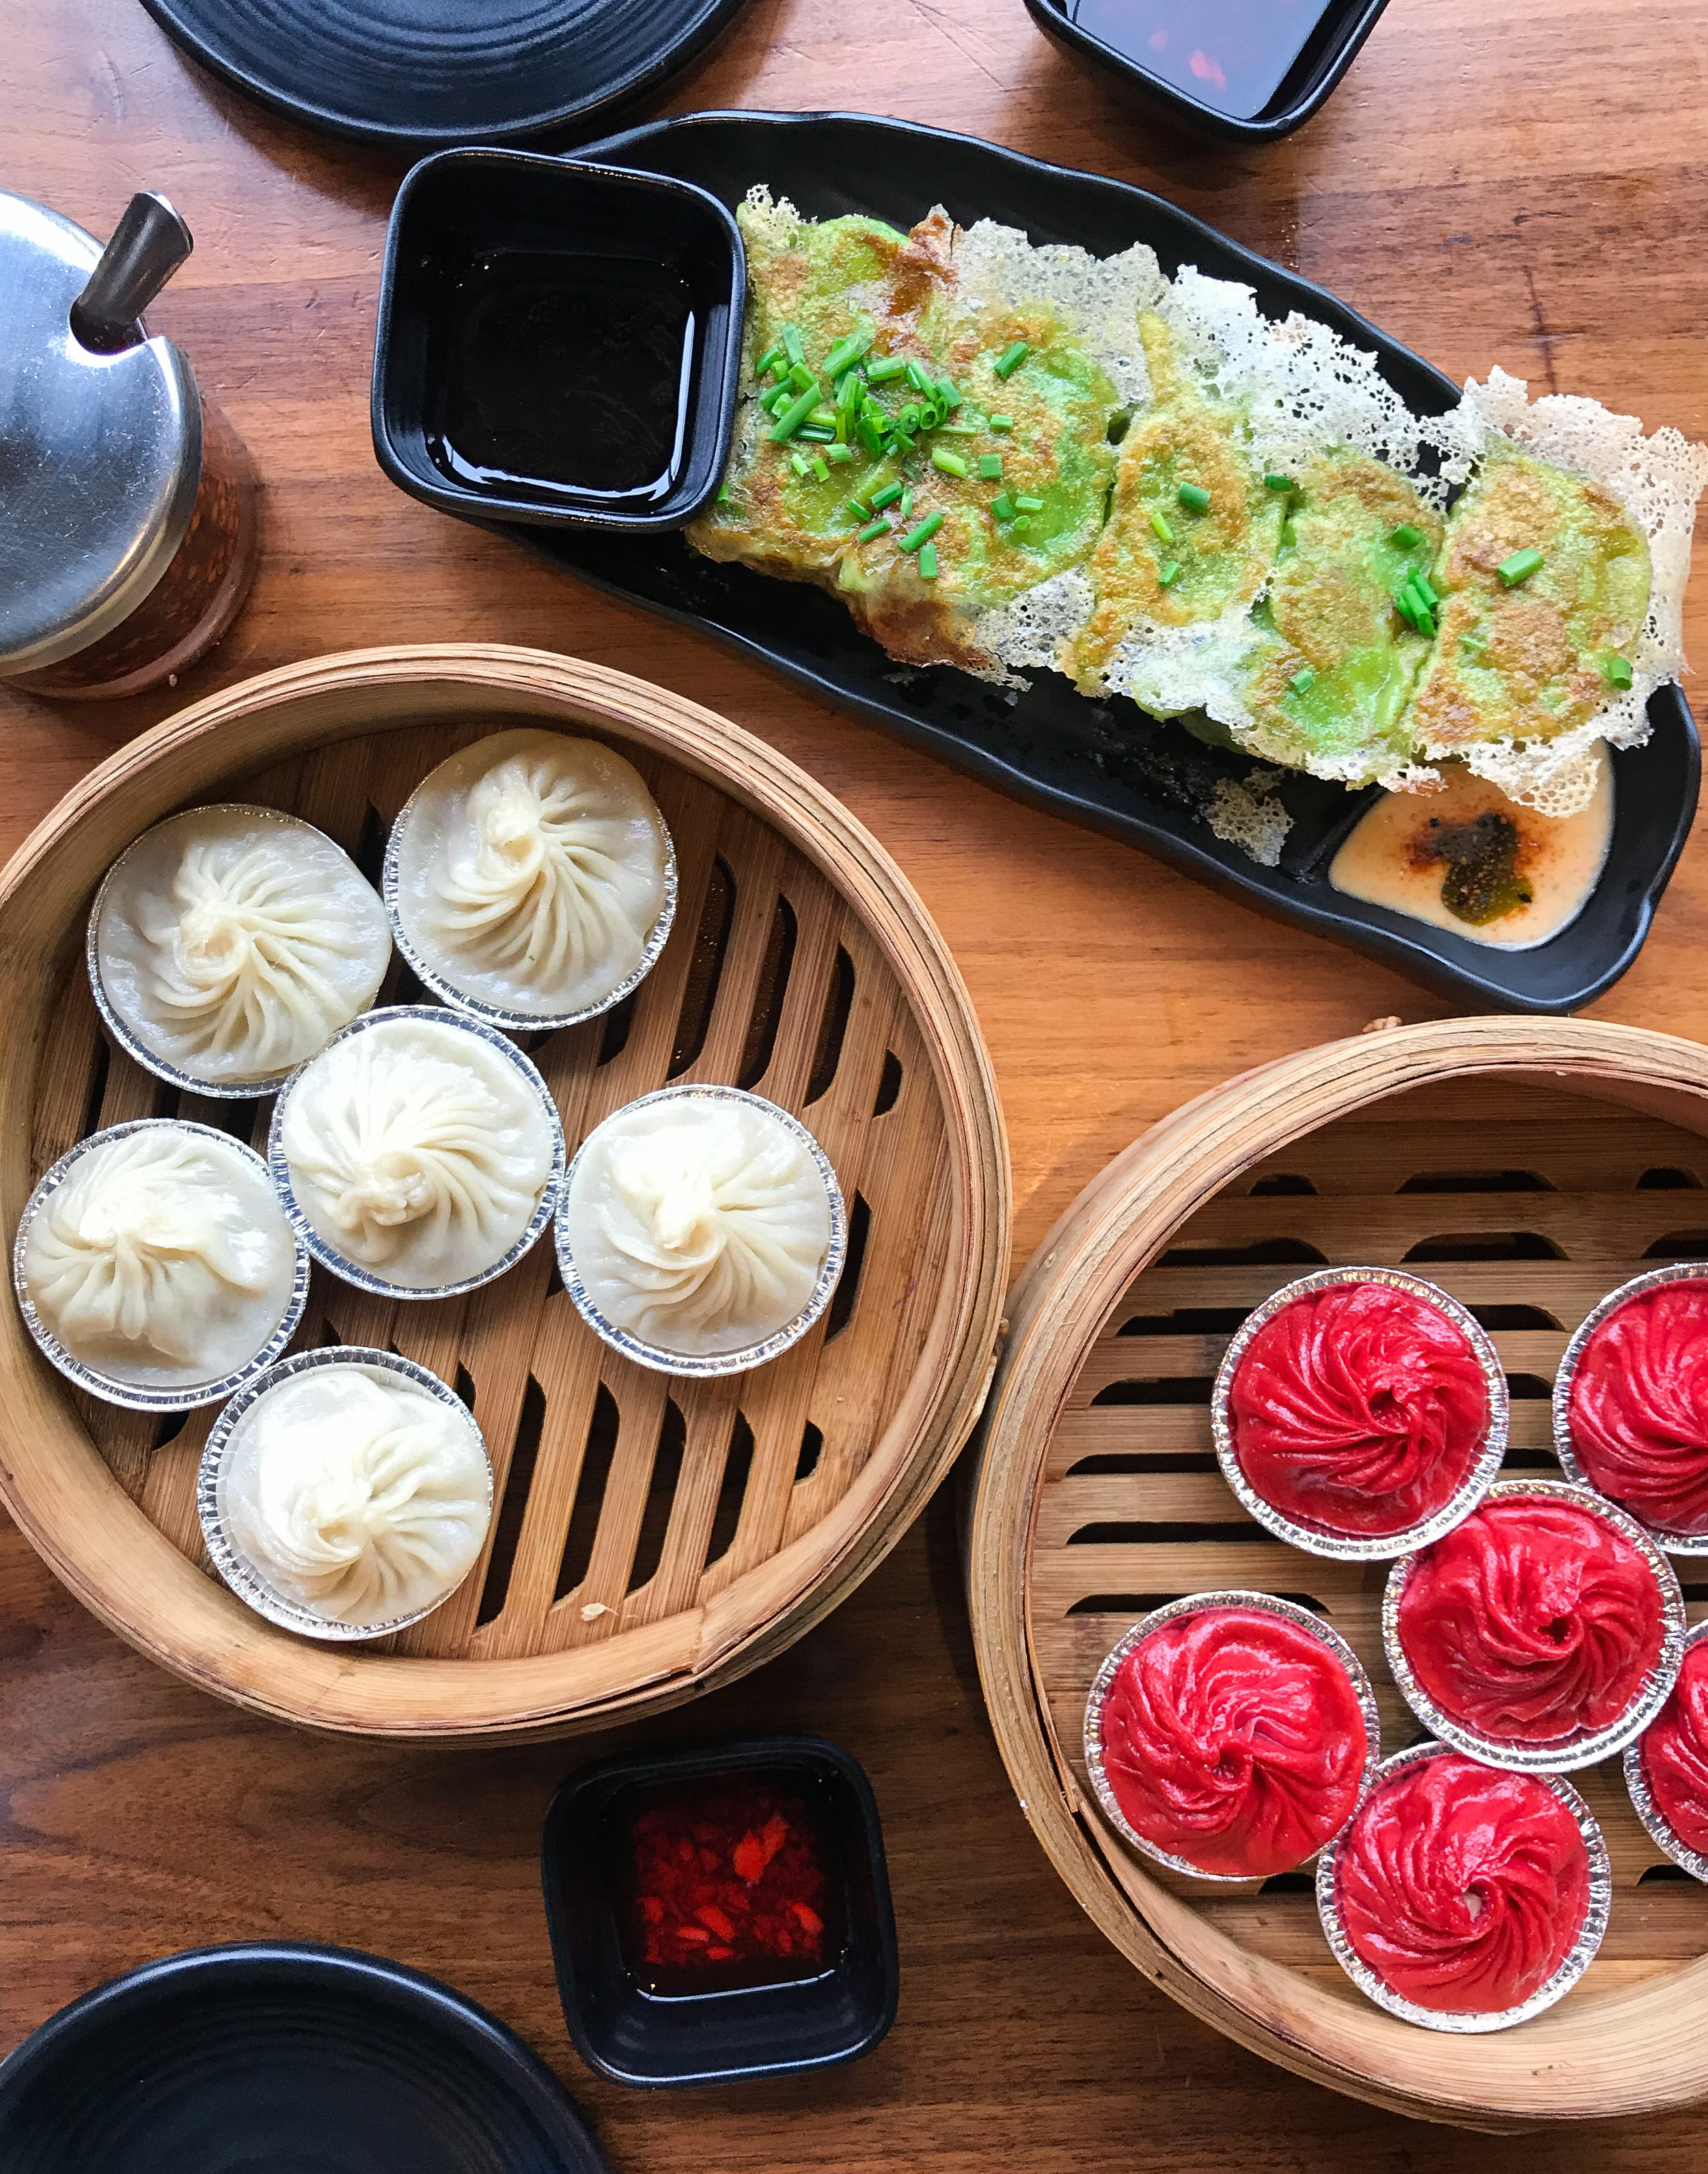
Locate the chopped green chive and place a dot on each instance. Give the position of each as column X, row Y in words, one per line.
column 791, row 345
column 927, row 529
column 886, row 367
column 1520, row 566
column 1023, row 524
column 950, row 463
column 800, row 377
column 990, row 467
column 1276, row 481
column 851, row 393
column 1409, row 610
column 798, row 465
column 887, row 496
column 1168, row 574
column 847, row 352
column 820, row 470
column 794, row 415
column 723, row 497
column 905, row 510
column 1194, row 497
column 859, row 509
column 777, row 397
column 1405, row 538
column 927, row 562
column 839, row 454
column 1472, row 643
column 818, row 433
column 948, row 395
column 1618, row 669
column 1160, row 528
column 917, row 377
column 1302, row 682
column 1420, row 586
column 1001, row 422
column 908, row 420
column 1002, row 507
column 879, row 527
column 1010, row 359
column 930, row 415
column 1029, row 505
column 768, row 360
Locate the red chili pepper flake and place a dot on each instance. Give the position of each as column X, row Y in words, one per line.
column 728, row 1875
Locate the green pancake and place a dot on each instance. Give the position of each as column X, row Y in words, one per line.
column 1220, row 554
column 1530, row 659
column 1327, row 681
column 989, row 550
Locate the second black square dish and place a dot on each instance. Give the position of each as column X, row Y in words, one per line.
column 558, row 342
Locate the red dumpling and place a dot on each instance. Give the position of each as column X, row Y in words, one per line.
column 1233, row 1740
column 1463, row 1887
column 1674, row 1753
column 1359, row 1408
column 1534, row 1621
column 1638, row 1407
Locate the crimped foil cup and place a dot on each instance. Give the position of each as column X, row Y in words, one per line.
column 1684, row 1272
column 244, row 1579
column 353, row 1272
column 227, row 1090
column 475, row 1008
column 703, row 1365
column 1565, row 1754
column 1577, row 1961
column 1363, row 1547
column 1267, row 1604
column 1642, row 1797
column 133, row 1396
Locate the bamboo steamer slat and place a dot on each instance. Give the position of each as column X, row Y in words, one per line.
column 655, row 1536
column 1529, row 1166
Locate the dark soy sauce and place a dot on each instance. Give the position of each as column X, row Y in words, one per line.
column 565, row 375
column 1233, row 54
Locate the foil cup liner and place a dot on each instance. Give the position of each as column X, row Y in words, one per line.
column 704, row 1365
column 353, row 1272
column 459, row 1000
column 243, row 1576
column 1642, row 1797
column 227, row 1090
column 1563, row 1754
column 1363, row 1547
column 1684, row 1272
column 109, row 1388
column 1266, row 1603
column 1474, row 2021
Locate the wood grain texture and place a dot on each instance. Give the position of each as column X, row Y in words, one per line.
column 1527, row 185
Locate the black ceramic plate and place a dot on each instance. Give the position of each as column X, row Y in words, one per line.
column 283, row 2060
column 1105, row 764
column 429, row 72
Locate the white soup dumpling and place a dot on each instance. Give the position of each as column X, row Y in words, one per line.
column 528, row 874
column 232, row 943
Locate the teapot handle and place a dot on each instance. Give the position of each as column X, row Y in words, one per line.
column 148, row 244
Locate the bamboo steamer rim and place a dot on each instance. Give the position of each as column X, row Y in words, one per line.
column 58, row 1488
column 1641, row 2049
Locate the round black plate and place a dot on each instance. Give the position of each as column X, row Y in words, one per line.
column 283, row 2060
column 444, row 71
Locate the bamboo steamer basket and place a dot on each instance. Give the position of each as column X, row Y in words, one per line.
column 1529, row 1167
column 654, row 1536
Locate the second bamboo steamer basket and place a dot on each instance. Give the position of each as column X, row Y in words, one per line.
column 1528, row 1166
column 654, row 1537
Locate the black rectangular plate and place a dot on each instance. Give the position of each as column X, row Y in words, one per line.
column 1106, row 765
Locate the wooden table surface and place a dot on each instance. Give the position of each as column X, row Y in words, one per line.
column 1524, row 183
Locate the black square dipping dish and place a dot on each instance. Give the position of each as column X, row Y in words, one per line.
column 675, row 1885
column 558, row 342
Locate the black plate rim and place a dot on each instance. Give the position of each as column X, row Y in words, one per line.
column 1384, row 935
column 1053, row 20
column 678, row 52
column 516, row 2071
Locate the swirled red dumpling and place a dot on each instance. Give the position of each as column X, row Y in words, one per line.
column 1638, row 1406
column 1674, row 1753
column 1359, row 1408
column 1533, row 1621
column 1462, row 1888
column 1233, row 1740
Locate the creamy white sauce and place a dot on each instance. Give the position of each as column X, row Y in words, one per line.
column 1384, row 860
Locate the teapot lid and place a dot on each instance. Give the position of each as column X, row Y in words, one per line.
column 100, row 454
